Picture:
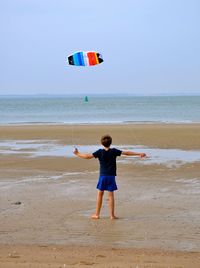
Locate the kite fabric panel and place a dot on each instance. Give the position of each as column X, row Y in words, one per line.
column 82, row 58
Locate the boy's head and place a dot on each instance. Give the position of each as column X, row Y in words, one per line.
column 106, row 141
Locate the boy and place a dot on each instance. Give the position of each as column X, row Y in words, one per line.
column 107, row 159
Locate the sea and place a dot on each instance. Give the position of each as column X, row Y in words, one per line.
column 98, row 109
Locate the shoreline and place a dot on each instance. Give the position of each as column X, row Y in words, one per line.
column 186, row 122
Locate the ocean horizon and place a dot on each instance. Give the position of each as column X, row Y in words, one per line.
column 98, row 109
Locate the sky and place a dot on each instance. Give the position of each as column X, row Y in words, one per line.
column 150, row 47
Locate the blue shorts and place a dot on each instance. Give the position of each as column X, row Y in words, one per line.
column 107, row 183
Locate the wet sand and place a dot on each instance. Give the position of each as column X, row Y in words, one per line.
column 184, row 136
column 158, row 206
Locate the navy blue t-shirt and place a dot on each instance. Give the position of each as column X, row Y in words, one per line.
column 107, row 160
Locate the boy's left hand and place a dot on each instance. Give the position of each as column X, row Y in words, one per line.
column 75, row 151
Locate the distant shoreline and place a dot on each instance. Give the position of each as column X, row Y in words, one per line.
column 98, row 123
column 100, row 95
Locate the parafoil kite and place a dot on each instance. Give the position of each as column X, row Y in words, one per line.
column 88, row 58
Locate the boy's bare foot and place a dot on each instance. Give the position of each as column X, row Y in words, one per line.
column 95, row 217
column 114, row 218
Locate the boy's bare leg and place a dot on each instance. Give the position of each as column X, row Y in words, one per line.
column 98, row 205
column 112, row 205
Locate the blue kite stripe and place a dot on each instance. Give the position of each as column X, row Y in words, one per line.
column 80, row 58
column 76, row 61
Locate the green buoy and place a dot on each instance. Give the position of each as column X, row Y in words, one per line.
column 86, row 99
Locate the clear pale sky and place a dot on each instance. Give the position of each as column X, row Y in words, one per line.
column 148, row 46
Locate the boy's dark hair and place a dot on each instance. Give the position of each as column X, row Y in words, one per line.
column 106, row 140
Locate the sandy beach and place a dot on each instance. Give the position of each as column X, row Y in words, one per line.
column 46, row 201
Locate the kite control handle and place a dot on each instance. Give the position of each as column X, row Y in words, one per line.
column 142, row 155
column 75, row 150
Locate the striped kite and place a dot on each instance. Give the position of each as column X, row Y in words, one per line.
column 88, row 58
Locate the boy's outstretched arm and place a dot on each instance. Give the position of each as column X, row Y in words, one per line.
column 84, row 156
column 133, row 153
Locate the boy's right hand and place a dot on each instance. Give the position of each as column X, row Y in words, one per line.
column 143, row 155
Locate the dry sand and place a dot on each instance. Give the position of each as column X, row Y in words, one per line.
column 158, row 206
